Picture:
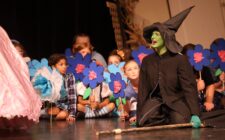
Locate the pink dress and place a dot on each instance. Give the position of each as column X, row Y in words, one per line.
column 19, row 103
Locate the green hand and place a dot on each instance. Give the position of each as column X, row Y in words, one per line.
column 195, row 120
column 133, row 124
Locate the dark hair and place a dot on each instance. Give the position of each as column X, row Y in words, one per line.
column 16, row 43
column 216, row 41
column 76, row 49
column 55, row 58
column 114, row 53
column 127, row 53
column 80, row 35
column 187, row 47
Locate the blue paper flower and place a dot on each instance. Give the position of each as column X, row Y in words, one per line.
column 35, row 65
column 43, row 85
column 93, row 75
column 199, row 57
column 218, row 54
column 68, row 53
column 117, row 85
column 141, row 53
column 114, row 69
column 77, row 64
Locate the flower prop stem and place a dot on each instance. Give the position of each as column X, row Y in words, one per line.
column 200, row 75
column 51, row 115
column 223, row 82
column 92, row 100
column 122, row 108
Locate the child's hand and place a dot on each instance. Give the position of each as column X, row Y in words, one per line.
column 208, row 106
column 94, row 105
column 70, row 119
column 133, row 119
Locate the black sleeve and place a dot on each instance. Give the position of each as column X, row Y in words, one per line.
column 188, row 85
column 143, row 88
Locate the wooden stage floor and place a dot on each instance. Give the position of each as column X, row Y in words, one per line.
column 86, row 130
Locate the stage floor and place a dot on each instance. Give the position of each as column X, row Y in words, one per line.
column 86, row 130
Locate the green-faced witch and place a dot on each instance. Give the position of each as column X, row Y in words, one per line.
column 167, row 88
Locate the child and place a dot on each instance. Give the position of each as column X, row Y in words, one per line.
column 19, row 104
column 131, row 70
column 125, row 53
column 219, row 98
column 205, row 85
column 19, row 47
column 114, row 58
column 84, row 39
column 65, row 107
column 83, row 49
column 97, row 104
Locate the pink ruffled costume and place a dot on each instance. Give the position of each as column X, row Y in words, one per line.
column 19, row 103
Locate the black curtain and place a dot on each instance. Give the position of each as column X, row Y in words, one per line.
column 48, row 26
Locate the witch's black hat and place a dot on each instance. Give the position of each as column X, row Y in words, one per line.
column 168, row 30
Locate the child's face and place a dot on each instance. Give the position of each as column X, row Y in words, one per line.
column 61, row 66
column 131, row 70
column 113, row 60
column 85, row 51
column 19, row 50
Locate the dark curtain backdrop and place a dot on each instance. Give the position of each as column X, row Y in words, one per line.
column 48, row 26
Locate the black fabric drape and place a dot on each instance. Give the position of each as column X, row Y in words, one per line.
column 48, row 26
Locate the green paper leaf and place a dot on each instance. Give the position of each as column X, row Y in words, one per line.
column 87, row 93
column 124, row 101
column 111, row 98
column 77, row 82
column 117, row 102
column 218, row 72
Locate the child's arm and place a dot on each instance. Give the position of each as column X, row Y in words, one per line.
column 103, row 103
column 82, row 101
column 210, row 90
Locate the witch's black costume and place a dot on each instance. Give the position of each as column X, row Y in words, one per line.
column 167, row 89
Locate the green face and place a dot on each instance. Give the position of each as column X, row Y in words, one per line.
column 157, row 40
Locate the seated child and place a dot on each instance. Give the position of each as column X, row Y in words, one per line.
column 131, row 70
column 220, row 92
column 125, row 53
column 65, row 107
column 97, row 104
column 19, row 47
column 205, row 85
column 114, row 58
column 84, row 40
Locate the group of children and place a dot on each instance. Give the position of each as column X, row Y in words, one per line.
column 209, row 85
column 73, row 105
column 100, row 102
